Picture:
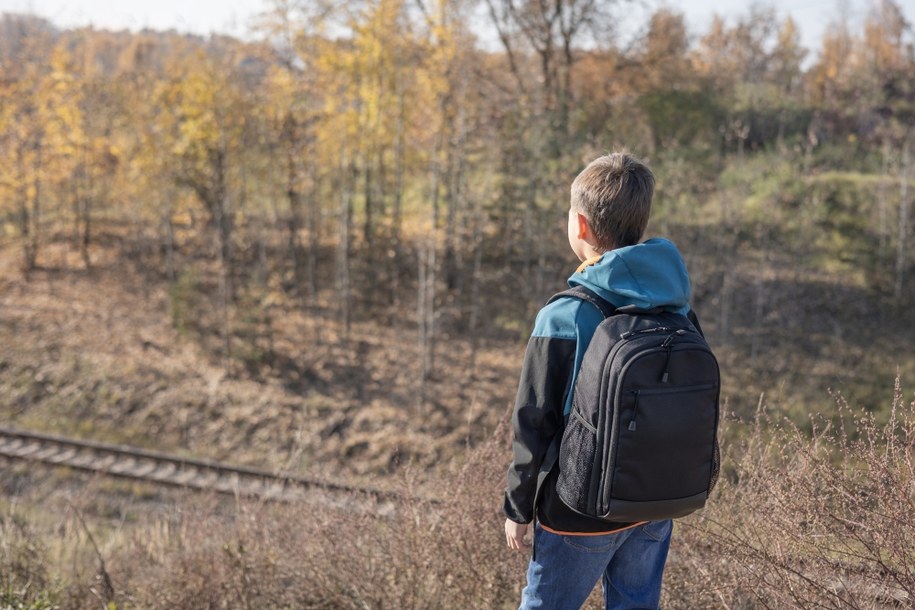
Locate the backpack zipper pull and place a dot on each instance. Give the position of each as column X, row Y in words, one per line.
column 635, row 410
column 668, row 344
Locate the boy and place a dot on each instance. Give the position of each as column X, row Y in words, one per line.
column 610, row 206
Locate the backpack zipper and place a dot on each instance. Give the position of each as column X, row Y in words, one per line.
column 680, row 389
column 635, row 410
column 677, row 389
column 644, row 331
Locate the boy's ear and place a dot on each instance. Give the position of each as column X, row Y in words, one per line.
column 584, row 229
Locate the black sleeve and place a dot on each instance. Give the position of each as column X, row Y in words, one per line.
column 536, row 419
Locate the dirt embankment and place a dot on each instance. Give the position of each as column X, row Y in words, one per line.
column 95, row 354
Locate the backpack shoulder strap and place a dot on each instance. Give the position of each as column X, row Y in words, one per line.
column 694, row 319
column 605, row 307
column 586, row 294
column 552, row 452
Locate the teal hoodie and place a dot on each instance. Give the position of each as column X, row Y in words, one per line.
column 647, row 275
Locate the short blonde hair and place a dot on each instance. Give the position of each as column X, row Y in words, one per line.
column 614, row 193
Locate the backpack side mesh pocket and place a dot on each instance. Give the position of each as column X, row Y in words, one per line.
column 577, row 454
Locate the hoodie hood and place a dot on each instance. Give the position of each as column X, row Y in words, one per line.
column 647, row 275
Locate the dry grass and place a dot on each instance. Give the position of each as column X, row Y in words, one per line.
column 24, row 576
column 821, row 520
column 259, row 556
column 798, row 521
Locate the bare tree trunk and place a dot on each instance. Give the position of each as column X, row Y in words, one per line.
column 476, row 281
column 810, row 141
column 74, row 208
column 742, row 132
column 368, row 230
column 294, row 197
column 25, row 227
column 881, row 198
column 399, row 164
column 81, row 206
column 224, row 311
column 224, row 234
column 546, row 73
column 903, row 221
column 540, row 275
column 726, row 250
column 426, row 315
column 26, row 213
column 170, row 271
column 31, row 218
column 370, row 155
column 727, row 292
column 292, row 242
column 347, row 183
column 456, row 231
column 263, row 278
column 427, row 273
column 449, row 260
column 314, row 227
column 780, row 133
column 534, row 246
column 759, row 306
column 85, row 210
column 565, row 93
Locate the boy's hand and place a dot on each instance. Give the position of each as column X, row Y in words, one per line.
column 514, row 535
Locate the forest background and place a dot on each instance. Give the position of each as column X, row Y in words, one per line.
column 320, row 251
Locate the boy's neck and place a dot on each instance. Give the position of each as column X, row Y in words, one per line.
column 590, row 250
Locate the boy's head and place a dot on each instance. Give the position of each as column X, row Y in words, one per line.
column 613, row 194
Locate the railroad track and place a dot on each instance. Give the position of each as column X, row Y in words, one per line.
column 166, row 469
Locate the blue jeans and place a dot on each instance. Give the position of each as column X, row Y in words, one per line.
column 563, row 570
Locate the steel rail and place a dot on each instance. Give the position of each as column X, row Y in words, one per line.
column 167, row 469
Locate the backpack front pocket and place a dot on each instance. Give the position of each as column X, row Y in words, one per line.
column 667, row 441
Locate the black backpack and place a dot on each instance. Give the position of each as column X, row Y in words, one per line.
column 641, row 439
